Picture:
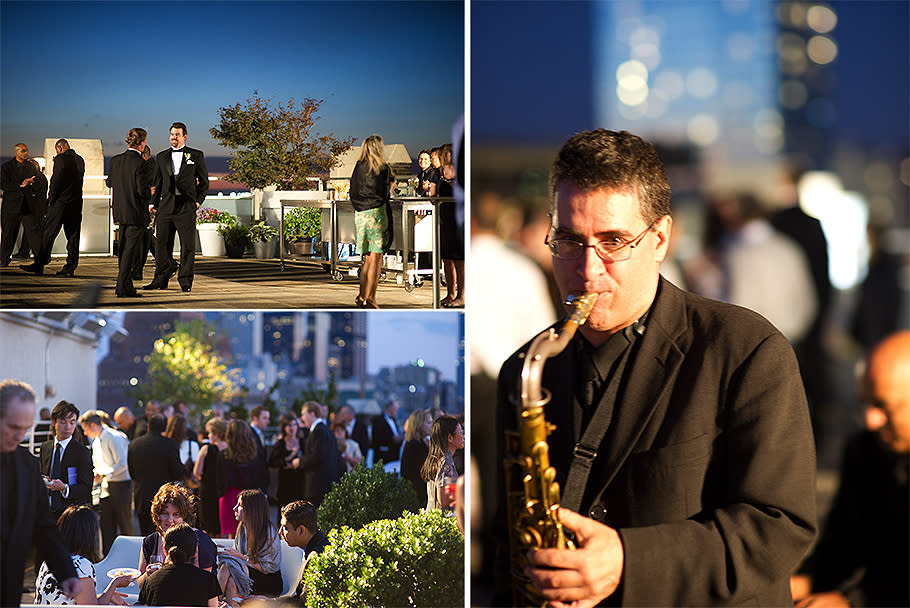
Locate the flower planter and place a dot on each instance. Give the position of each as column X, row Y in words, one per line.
column 264, row 249
column 211, row 243
column 302, row 247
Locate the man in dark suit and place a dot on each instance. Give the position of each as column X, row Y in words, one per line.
column 180, row 186
column 25, row 518
column 130, row 182
column 18, row 178
column 64, row 210
column 682, row 440
column 387, row 435
column 358, row 429
column 66, row 463
column 319, row 457
column 153, row 460
column 259, row 421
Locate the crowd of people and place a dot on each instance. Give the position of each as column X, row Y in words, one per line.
column 186, row 488
column 372, row 184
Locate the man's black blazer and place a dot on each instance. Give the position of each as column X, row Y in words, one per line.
column 66, row 180
column 130, row 179
column 361, row 434
column 75, row 456
column 262, row 457
column 173, row 193
column 153, row 460
column 29, row 524
column 15, row 199
column 385, row 447
column 319, row 462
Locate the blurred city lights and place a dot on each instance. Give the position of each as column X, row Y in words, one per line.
column 821, row 19
column 821, row 49
column 701, row 83
column 134, row 381
column 703, row 130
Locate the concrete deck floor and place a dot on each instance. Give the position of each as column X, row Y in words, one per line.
column 219, row 283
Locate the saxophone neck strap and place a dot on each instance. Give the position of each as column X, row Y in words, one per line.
column 585, row 451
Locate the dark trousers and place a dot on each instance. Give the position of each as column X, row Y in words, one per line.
column 147, row 246
column 31, row 237
column 183, row 224
column 69, row 217
column 116, row 514
column 131, row 241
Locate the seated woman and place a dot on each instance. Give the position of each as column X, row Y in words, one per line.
column 78, row 527
column 179, row 582
column 256, row 567
column 438, row 470
column 173, row 505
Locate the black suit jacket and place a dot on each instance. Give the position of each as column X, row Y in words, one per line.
column 707, row 469
column 361, row 434
column 130, row 179
column 66, row 180
column 153, row 460
column 75, row 456
column 385, row 447
column 12, row 175
column 180, row 193
column 263, row 458
column 29, row 524
column 319, row 462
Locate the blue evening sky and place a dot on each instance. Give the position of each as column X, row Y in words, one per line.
column 400, row 337
column 96, row 69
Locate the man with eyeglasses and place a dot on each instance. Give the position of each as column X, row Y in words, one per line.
column 682, row 444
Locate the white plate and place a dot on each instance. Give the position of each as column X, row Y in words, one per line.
column 115, row 572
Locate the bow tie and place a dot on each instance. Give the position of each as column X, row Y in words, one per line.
column 180, row 150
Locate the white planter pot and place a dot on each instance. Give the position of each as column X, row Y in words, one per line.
column 211, row 243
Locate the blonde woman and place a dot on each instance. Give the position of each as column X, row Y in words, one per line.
column 438, row 470
column 371, row 186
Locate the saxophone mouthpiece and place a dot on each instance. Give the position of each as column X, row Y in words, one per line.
column 582, row 305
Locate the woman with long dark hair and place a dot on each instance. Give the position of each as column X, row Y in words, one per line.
column 371, row 186
column 187, row 449
column 78, row 527
column 283, row 456
column 178, row 582
column 446, row 436
column 258, row 545
column 238, row 470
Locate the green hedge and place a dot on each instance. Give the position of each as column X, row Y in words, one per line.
column 416, row 560
column 365, row 495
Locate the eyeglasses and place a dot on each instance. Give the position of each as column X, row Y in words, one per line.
column 609, row 250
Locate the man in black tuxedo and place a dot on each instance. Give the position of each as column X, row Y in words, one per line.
column 180, row 186
column 358, row 429
column 319, row 460
column 387, row 435
column 130, row 182
column 153, row 461
column 25, row 518
column 259, row 421
column 66, row 462
column 64, row 210
column 17, row 180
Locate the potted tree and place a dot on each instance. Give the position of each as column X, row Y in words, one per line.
column 236, row 238
column 301, row 226
column 207, row 222
column 263, row 238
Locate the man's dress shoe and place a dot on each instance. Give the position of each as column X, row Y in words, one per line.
column 154, row 285
column 33, row 268
column 186, row 288
column 65, row 273
column 130, row 294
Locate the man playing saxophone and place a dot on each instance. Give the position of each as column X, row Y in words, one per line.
column 682, row 443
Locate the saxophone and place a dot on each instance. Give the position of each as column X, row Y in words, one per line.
column 533, row 506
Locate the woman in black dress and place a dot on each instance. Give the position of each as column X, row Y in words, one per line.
column 285, row 457
column 414, row 454
column 451, row 246
column 206, row 469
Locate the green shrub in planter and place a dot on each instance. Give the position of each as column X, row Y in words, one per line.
column 364, row 495
column 415, row 560
column 260, row 231
column 234, row 234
